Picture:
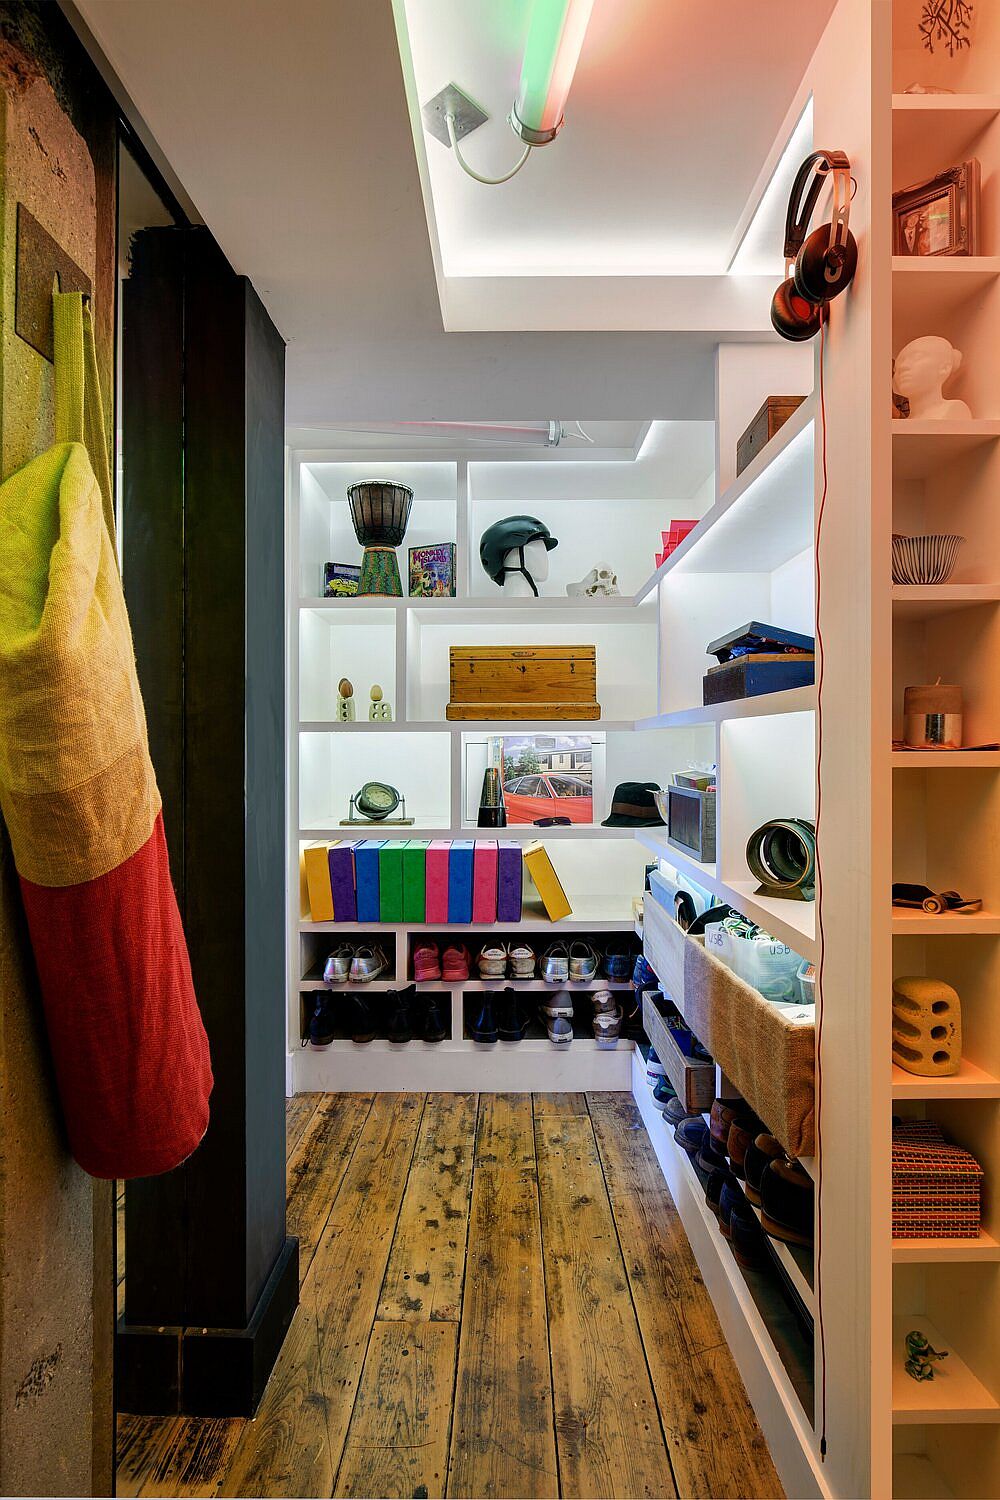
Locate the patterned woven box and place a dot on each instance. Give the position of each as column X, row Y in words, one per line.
column 936, row 1186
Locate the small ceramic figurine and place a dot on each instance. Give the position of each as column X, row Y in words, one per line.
column 378, row 710
column 600, row 582
column 920, row 372
column 345, row 701
column 920, row 1356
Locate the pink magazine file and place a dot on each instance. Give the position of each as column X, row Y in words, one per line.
column 484, row 881
column 436, row 881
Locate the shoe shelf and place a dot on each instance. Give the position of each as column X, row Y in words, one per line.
column 612, row 913
column 772, row 1351
column 955, row 1395
column 452, row 986
column 797, row 1264
column 533, row 1065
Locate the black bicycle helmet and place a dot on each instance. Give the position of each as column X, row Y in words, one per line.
column 506, row 535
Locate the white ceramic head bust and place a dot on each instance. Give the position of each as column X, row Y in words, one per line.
column 536, row 564
column 922, row 368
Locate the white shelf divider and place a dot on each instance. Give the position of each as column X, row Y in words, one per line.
column 765, row 705
column 755, row 524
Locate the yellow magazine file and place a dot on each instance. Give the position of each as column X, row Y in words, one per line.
column 546, row 881
column 317, row 873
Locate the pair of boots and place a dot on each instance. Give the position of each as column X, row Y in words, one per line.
column 499, row 1017
column 401, row 1021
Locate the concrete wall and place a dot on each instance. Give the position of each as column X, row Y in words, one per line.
column 57, row 1276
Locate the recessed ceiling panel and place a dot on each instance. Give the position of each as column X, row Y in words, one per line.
column 674, row 106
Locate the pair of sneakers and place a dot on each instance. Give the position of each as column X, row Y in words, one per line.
column 452, row 966
column 556, row 1014
column 351, row 964
column 575, row 962
column 607, row 1019
column 497, row 960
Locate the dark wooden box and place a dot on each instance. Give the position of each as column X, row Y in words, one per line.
column 772, row 415
column 748, row 679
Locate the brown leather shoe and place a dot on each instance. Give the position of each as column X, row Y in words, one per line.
column 786, row 1202
column 762, row 1150
column 721, row 1118
column 742, row 1133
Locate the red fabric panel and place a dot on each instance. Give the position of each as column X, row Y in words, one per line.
column 130, row 1051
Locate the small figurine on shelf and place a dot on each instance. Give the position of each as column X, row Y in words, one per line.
column 920, row 1355
column 345, row 701
column 379, row 710
column 600, row 582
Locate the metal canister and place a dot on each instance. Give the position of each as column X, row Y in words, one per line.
column 932, row 716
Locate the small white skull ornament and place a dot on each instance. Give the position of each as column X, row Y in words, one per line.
column 601, row 581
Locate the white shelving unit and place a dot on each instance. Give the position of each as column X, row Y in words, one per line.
column 403, row 645
column 946, row 829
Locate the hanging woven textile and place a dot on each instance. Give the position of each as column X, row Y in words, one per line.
column 79, row 796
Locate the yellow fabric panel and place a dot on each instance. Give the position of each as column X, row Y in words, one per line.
column 77, row 787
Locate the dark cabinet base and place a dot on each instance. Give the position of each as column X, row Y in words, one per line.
column 211, row 1372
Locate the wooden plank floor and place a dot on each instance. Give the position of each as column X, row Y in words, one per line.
column 497, row 1299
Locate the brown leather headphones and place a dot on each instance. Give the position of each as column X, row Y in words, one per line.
column 820, row 267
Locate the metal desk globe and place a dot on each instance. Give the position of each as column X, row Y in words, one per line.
column 380, row 510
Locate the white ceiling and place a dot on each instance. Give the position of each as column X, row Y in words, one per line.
column 674, row 107
column 290, row 127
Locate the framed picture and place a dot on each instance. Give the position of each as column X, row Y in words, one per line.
column 544, row 776
column 939, row 216
column 432, row 571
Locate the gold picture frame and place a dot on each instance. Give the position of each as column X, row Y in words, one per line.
column 939, row 216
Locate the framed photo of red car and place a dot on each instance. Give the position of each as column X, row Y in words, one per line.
column 939, row 216
column 548, row 779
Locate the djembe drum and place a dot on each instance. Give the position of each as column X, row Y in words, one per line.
column 380, row 511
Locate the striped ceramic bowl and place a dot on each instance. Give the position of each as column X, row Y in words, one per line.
column 924, row 559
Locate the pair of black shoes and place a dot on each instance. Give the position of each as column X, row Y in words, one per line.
column 500, row 1018
column 403, row 1018
column 407, row 1018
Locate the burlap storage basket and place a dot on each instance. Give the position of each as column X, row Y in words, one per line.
column 770, row 1059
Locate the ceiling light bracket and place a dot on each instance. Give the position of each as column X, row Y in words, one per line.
column 466, row 113
column 532, row 137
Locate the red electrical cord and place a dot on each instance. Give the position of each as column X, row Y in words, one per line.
column 819, row 899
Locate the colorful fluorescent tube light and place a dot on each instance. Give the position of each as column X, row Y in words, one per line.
column 555, row 37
